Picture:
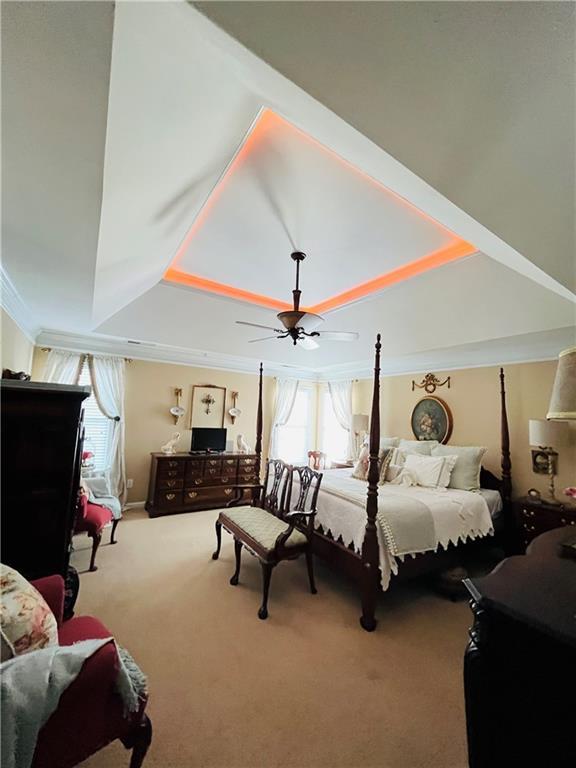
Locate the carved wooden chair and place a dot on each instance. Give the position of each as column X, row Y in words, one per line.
column 278, row 529
column 317, row 460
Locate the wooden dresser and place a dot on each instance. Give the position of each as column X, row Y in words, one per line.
column 41, row 455
column 519, row 668
column 534, row 517
column 187, row 482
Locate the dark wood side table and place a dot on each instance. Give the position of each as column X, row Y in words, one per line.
column 520, row 663
column 533, row 517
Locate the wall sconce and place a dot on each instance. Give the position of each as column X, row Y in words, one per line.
column 234, row 412
column 177, row 411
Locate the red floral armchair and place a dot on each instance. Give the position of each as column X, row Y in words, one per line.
column 90, row 713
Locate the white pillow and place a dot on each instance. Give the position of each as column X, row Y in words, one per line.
column 430, row 471
column 466, row 473
column 423, row 447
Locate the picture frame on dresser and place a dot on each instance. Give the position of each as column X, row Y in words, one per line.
column 208, row 406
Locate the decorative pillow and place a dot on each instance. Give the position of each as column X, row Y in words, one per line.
column 466, row 473
column 360, row 471
column 26, row 621
column 430, row 471
column 423, row 447
column 392, row 471
column 387, row 454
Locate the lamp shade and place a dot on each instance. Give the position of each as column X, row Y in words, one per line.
column 359, row 423
column 563, row 399
column 546, row 434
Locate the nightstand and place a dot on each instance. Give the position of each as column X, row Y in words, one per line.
column 534, row 517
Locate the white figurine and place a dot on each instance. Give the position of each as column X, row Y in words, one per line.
column 242, row 445
column 170, row 446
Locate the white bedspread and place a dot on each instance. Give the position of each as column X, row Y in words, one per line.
column 455, row 515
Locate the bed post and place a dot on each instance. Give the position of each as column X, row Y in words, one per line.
column 506, row 487
column 258, row 447
column 370, row 555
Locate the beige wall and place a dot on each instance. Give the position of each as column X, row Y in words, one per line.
column 17, row 349
column 473, row 399
column 150, row 395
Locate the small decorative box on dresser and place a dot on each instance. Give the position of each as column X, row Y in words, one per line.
column 534, row 517
column 186, row 482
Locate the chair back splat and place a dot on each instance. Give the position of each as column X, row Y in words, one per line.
column 308, row 487
column 275, row 484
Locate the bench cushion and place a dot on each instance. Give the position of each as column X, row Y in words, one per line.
column 261, row 526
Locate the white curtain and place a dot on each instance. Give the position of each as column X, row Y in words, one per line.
column 341, row 396
column 63, row 367
column 108, row 384
column 285, row 396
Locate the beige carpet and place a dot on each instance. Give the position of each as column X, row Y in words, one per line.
column 305, row 688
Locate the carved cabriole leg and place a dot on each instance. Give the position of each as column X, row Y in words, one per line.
column 266, row 576
column 216, row 554
column 310, row 566
column 96, row 539
column 139, row 742
column 238, row 553
column 114, row 526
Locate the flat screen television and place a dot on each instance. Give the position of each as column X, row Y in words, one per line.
column 208, row 439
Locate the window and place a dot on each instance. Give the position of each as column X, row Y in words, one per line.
column 333, row 437
column 296, row 437
column 97, row 427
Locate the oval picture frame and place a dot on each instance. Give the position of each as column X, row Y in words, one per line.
column 431, row 420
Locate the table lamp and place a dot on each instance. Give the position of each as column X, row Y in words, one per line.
column 359, row 428
column 543, row 435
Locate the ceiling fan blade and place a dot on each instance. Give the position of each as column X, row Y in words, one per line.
column 264, row 338
column 310, row 321
column 308, row 343
column 339, row 335
column 257, row 325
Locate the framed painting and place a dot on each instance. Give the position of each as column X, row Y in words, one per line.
column 208, row 406
column 431, row 420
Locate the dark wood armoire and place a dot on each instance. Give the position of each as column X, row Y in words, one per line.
column 41, row 459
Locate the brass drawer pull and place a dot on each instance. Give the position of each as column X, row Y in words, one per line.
column 197, row 482
column 192, row 494
column 528, row 512
column 567, row 522
column 171, row 483
column 227, row 491
column 172, row 463
column 529, row 527
column 170, row 496
column 229, row 461
column 172, row 474
column 213, row 463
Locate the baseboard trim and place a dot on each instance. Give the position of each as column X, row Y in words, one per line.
column 134, row 504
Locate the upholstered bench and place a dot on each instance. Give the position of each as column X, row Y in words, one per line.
column 275, row 530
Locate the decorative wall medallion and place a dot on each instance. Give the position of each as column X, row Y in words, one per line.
column 430, row 382
column 431, row 420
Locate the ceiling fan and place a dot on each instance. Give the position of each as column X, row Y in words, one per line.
column 299, row 325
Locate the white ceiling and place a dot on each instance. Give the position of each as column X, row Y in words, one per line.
column 182, row 98
column 478, row 99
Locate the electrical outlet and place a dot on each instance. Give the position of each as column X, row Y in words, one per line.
column 129, row 483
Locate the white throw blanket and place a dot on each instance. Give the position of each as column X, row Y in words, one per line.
column 403, row 528
column 31, row 687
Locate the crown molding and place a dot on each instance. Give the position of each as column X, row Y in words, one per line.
column 14, row 306
column 163, row 353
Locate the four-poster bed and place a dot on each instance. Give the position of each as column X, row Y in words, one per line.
column 363, row 563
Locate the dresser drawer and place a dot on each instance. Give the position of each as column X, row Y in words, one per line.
column 171, row 465
column 229, row 466
column 171, row 483
column 166, row 499
column 243, row 479
column 245, row 464
column 211, row 496
column 170, row 474
column 194, row 468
